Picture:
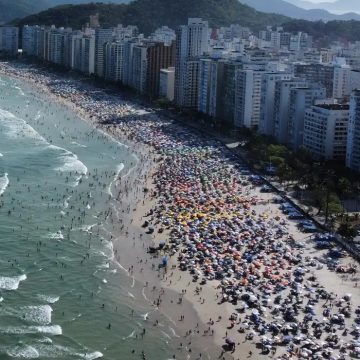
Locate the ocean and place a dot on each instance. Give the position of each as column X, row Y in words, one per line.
column 62, row 296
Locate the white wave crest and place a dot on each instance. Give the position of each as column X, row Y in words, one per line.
column 91, row 356
column 45, row 340
column 71, row 162
column 23, row 352
column 4, row 183
column 49, row 298
column 20, row 90
column 119, row 168
column 18, row 330
column 79, row 145
column 19, row 128
column 57, row 236
column 40, row 314
column 11, row 283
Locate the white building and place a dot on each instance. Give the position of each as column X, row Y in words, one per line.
column 353, row 140
column 139, row 68
column 191, row 84
column 325, row 131
column 57, row 46
column 301, row 99
column 167, row 83
column 342, row 81
column 247, row 98
column 9, row 40
column 269, row 81
column 211, row 71
column 71, row 48
column 164, row 34
column 29, row 39
column 282, row 107
column 125, row 32
column 102, row 36
column 85, row 54
column 204, row 85
column 128, row 54
column 114, row 61
column 192, row 40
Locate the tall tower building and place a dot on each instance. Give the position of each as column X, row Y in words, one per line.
column 102, row 36
column 192, row 40
column 353, row 136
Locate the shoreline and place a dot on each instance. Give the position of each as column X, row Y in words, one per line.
column 184, row 287
column 138, row 149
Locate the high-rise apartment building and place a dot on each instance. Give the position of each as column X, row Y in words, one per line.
column 9, row 40
column 102, row 36
column 325, row 131
column 167, row 83
column 335, row 78
column 269, row 80
column 192, row 40
column 282, row 107
column 247, row 98
column 114, row 61
column 353, row 137
column 301, row 99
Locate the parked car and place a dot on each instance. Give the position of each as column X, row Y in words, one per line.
column 296, row 216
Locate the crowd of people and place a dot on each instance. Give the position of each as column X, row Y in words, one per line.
column 221, row 230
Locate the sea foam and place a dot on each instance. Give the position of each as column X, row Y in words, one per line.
column 71, row 163
column 48, row 298
column 4, row 183
column 23, row 352
column 19, row 330
column 70, row 160
column 57, row 235
column 40, row 314
column 19, row 128
column 11, row 283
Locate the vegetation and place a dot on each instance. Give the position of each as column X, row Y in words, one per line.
column 11, row 9
column 151, row 14
column 326, row 32
column 316, row 183
column 347, row 230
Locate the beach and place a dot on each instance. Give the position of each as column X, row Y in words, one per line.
column 212, row 252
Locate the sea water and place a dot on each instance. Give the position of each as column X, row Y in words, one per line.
column 59, row 289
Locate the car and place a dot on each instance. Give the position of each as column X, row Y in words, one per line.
column 311, row 228
column 289, row 210
column 278, row 200
column 286, row 205
column 265, row 189
column 296, row 216
column 302, row 223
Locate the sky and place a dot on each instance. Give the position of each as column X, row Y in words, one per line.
column 320, row 1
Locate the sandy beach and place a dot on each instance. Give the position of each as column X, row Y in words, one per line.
column 241, row 280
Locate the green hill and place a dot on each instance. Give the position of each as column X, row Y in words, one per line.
column 11, row 9
column 17, row 9
column 151, row 14
column 327, row 32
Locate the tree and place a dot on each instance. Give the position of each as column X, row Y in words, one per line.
column 344, row 187
column 346, row 230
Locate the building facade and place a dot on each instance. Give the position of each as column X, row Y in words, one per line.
column 353, row 138
column 325, row 131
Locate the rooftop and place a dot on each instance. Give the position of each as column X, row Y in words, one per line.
column 337, row 107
